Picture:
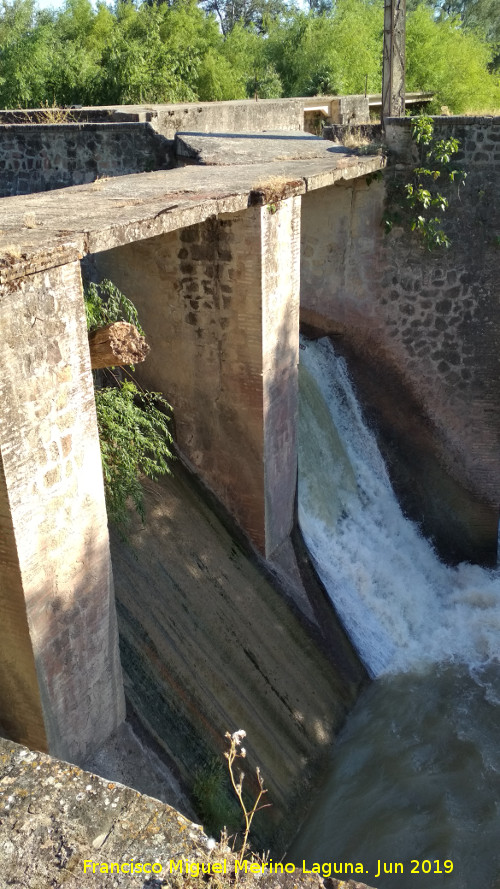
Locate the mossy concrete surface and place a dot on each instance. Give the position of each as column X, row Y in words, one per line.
column 54, row 816
column 209, row 644
column 58, row 821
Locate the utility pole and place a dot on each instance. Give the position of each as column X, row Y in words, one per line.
column 393, row 72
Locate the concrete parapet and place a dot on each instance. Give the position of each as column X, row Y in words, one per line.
column 239, row 116
column 353, row 110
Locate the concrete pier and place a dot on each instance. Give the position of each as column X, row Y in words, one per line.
column 60, row 676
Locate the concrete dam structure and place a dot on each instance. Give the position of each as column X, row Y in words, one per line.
column 255, row 228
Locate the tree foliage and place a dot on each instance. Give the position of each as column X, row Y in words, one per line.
column 451, row 61
column 132, row 422
column 181, row 50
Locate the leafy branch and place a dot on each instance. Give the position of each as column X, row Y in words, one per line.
column 104, row 304
column 420, row 196
column 132, row 422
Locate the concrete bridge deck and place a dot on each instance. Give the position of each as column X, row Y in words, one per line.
column 40, row 230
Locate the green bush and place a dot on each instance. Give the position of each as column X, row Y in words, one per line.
column 213, row 797
column 134, row 437
column 132, row 422
column 175, row 52
column 104, row 304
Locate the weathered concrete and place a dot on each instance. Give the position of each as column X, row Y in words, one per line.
column 57, row 607
column 243, row 385
column 220, row 306
column 348, row 110
column 40, row 230
column 224, row 149
column 250, row 293
column 239, row 115
column 209, row 643
column 56, row 817
column 425, row 324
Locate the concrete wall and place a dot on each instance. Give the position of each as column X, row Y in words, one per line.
column 425, row 326
column 61, row 681
column 350, row 110
column 230, row 117
column 219, row 302
column 209, row 642
column 35, row 157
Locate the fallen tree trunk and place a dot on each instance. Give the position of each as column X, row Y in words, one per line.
column 117, row 344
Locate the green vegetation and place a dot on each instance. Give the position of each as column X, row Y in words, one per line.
column 229, row 49
column 104, row 304
column 420, row 199
column 214, row 799
column 212, row 793
column 133, row 423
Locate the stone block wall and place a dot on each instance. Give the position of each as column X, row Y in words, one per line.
column 60, row 687
column 424, row 324
column 36, row 157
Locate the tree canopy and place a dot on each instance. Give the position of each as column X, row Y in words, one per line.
column 181, row 50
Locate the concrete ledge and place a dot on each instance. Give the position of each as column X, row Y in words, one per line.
column 56, row 817
column 37, row 230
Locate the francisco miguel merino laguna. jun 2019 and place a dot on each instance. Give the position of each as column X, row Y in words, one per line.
column 325, row 869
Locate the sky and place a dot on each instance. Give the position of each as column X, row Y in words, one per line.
column 53, row 4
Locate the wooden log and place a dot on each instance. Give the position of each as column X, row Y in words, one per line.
column 117, row 344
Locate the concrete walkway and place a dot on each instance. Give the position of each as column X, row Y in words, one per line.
column 41, row 230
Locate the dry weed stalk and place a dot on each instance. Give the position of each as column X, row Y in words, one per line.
column 52, row 114
column 273, row 190
column 236, row 751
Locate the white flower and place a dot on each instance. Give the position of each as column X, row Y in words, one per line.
column 238, row 736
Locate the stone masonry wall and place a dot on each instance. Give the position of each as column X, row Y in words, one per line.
column 55, row 566
column 425, row 324
column 35, row 157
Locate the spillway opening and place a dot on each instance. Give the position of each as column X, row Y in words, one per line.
column 416, row 769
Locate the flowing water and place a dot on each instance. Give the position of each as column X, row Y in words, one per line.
column 413, row 796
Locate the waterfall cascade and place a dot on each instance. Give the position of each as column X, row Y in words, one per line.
column 400, row 605
column 415, row 776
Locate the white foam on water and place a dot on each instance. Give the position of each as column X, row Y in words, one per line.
column 399, row 604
